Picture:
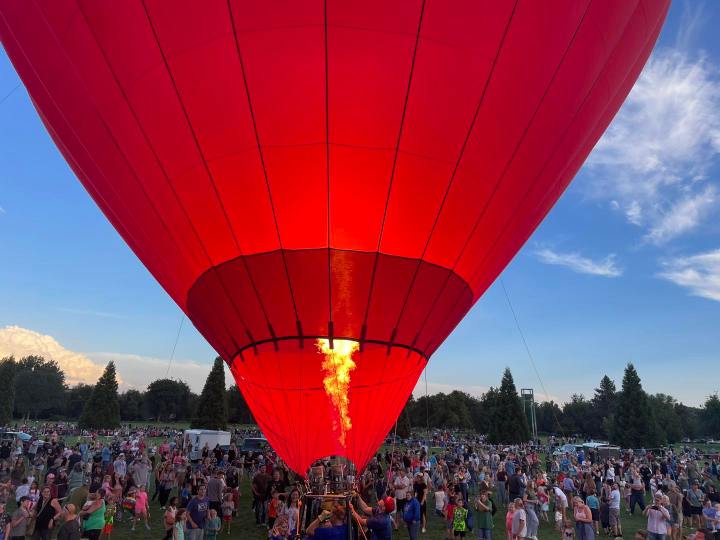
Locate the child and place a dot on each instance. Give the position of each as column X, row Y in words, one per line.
column 212, row 525
column 508, row 521
column 273, row 508
column 544, row 503
column 227, row 508
column 141, row 507
column 460, row 519
column 568, row 531
column 128, row 504
column 280, row 530
column 110, row 509
column 450, row 516
column 179, row 527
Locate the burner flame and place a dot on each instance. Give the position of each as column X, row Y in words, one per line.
column 336, row 367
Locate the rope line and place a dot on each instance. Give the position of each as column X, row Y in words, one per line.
column 177, row 338
column 529, row 354
column 10, row 93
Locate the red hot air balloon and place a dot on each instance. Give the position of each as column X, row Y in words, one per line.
column 326, row 188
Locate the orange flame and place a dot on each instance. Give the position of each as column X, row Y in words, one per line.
column 337, row 366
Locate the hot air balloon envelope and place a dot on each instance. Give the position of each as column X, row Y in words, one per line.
column 326, row 188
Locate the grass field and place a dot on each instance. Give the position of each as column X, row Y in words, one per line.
column 244, row 527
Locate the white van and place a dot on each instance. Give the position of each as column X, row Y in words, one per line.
column 194, row 440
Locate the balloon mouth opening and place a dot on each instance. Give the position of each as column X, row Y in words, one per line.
column 314, row 401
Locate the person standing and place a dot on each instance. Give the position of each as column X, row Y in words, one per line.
column 401, row 484
column 531, row 511
column 637, row 492
column 95, row 512
column 260, row 483
column 484, row 506
column 657, row 518
column 70, row 529
column 197, row 514
column 215, row 489
column 676, row 502
column 20, row 519
column 614, row 509
column 411, row 515
column 420, row 488
column 583, row 520
column 46, row 511
column 519, row 521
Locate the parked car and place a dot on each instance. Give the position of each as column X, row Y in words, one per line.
column 254, row 445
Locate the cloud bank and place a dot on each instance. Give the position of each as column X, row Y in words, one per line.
column 134, row 371
column 18, row 342
column 653, row 162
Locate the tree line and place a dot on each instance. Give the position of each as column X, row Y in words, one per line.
column 34, row 388
column 628, row 417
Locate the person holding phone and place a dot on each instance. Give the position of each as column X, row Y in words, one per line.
column 658, row 518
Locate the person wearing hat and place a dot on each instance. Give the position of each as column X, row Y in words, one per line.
column 379, row 523
column 20, row 519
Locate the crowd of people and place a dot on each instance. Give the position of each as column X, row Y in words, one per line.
column 88, row 488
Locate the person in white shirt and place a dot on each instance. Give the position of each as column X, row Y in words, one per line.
column 401, row 484
column 614, row 504
column 658, row 517
column 519, row 521
column 561, row 502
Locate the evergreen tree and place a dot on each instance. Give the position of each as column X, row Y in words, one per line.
column 8, row 368
column 634, row 425
column 711, row 416
column 167, row 399
column 603, row 407
column 211, row 410
column 132, row 405
column 77, row 398
column 102, row 410
column 549, row 416
column 39, row 387
column 238, row 409
column 508, row 423
column 577, row 416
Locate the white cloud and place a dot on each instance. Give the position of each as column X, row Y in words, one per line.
column 19, row 342
column 2, row 211
column 139, row 370
column 700, row 274
column 134, row 371
column 653, row 162
column 681, row 217
column 582, row 265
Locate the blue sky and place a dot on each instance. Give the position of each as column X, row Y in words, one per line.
column 625, row 268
